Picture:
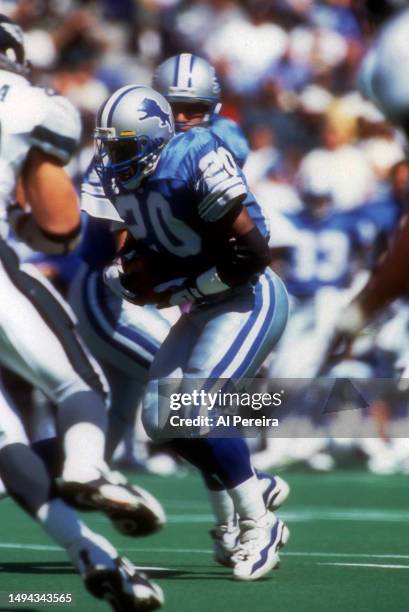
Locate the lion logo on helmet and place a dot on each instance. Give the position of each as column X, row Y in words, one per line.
column 151, row 109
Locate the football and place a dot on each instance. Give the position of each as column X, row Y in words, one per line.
column 142, row 274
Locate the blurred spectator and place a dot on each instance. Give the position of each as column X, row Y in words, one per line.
column 352, row 180
column 337, row 15
column 243, row 49
column 274, row 193
column 263, row 153
column 198, row 20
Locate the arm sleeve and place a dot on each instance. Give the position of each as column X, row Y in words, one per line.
column 59, row 130
column 390, row 278
column 220, row 186
column 245, row 257
column 94, row 200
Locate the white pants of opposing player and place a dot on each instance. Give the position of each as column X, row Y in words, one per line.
column 227, row 339
column 38, row 338
column 306, row 338
column 124, row 338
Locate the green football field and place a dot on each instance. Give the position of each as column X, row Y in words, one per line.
column 349, row 551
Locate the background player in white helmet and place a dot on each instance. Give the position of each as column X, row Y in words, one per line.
column 388, row 85
column 190, row 85
column 38, row 339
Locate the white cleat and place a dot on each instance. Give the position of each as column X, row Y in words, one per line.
column 147, row 517
column 115, row 579
column 260, row 542
column 132, row 510
column 225, row 537
column 123, row 587
column 275, row 490
column 225, row 540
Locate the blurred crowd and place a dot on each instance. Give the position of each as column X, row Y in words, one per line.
column 327, row 168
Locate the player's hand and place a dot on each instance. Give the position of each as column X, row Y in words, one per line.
column 176, row 292
column 349, row 324
column 339, row 348
column 113, row 276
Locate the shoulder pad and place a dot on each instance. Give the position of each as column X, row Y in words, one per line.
column 58, row 130
column 233, row 137
column 198, row 141
column 200, row 136
column 180, row 156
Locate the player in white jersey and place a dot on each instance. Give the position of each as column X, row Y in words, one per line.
column 38, row 339
column 388, row 86
column 105, row 574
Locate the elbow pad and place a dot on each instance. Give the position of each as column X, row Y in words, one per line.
column 246, row 256
column 26, row 229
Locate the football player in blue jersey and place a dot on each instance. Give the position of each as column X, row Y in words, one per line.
column 319, row 271
column 186, row 205
column 190, row 85
column 126, row 350
column 125, row 337
column 328, row 240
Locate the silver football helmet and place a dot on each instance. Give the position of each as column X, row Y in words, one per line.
column 389, row 81
column 188, row 78
column 133, row 126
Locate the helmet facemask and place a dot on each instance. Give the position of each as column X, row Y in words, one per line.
column 133, row 126
column 127, row 160
column 12, row 52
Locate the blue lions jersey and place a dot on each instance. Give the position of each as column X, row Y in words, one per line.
column 323, row 255
column 99, row 252
column 384, row 213
column 232, row 136
column 98, row 246
column 195, row 184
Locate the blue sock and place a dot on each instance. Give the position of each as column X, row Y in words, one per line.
column 224, row 462
column 25, row 477
column 51, row 452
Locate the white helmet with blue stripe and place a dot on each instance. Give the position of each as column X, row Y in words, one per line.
column 133, row 126
column 190, row 79
column 387, row 73
column 12, row 52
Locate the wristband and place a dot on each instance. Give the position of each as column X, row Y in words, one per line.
column 210, row 283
